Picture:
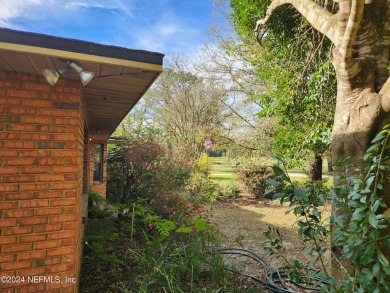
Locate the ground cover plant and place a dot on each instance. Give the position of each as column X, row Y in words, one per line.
column 155, row 245
column 152, row 235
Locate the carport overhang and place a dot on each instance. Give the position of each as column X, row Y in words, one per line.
column 122, row 75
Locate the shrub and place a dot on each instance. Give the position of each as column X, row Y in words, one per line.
column 232, row 190
column 204, row 190
column 202, row 167
column 148, row 249
column 142, row 167
column 359, row 225
column 255, row 180
column 175, row 207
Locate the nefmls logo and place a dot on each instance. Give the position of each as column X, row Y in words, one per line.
column 44, row 279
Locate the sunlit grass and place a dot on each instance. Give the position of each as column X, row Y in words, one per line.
column 228, row 177
column 221, row 171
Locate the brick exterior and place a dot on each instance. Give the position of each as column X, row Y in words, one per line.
column 41, row 182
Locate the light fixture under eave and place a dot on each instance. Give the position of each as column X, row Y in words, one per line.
column 85, row 76
column 52, row 76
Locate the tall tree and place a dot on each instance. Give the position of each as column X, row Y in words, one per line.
column 360, row 33
column 186, row 107
column 296, row 79
column 243, row 132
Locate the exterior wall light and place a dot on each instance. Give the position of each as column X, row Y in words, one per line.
column 52, row 76
column 85, row 76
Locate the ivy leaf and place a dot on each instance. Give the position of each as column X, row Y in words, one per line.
column 373, row 220
column 272, row 182
column 375, row 206
column 379, row 137
column 384, row 262
column 370, row 180
column 278, row 171
column 297, row 264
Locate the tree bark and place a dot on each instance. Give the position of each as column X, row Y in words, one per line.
column 330, row 165
column 316, row 168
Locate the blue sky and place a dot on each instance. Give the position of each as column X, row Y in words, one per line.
column 166, row 26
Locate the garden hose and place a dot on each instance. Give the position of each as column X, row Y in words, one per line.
column 278, row 281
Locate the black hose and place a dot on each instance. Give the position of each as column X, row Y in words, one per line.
column 276, row 281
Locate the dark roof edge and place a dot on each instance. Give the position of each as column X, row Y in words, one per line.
column 78, row 46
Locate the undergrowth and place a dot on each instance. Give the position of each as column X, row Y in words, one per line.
column 358, row 226
column 154, row 245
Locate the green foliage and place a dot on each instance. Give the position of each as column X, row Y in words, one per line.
column 274, row 244
column 232, row 190
column 308, row 202
column 95, row 205
column 204, row 190
column 359, row 225
column 255, row 179
column 363, row 234
column 173, row 259
column 298, row 81
column 163, row 255
column 282, row 27
column 180, row 209
column 202, row 167
column 163, row 226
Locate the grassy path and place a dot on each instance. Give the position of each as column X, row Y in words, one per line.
column 221, row 171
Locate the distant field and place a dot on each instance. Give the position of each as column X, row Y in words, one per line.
column 221, row 171
column 224, row 172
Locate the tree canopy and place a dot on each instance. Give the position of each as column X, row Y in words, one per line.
column 296, row 76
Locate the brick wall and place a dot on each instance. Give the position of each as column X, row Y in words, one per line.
column 101, row 185
column 41, row 170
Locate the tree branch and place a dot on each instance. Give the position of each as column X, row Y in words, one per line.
column 355, row 10
column 239, row 144
column 320, row 18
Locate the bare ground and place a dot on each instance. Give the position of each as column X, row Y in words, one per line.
column 243, row 221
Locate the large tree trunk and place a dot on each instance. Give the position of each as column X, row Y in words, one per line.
column 357, row 117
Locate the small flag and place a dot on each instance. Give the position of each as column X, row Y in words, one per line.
column 208, row 143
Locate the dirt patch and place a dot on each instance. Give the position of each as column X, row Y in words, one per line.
column 243, row 221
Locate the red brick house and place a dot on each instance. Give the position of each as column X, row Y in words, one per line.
column 53, row 141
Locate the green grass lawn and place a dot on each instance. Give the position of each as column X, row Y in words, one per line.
column 224, row 173
column 221, row 171
column 222, row 176
column 305, row 169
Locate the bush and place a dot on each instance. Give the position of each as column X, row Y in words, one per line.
column 358, row 227
column 175, row 207
column 255, row 180
column 202, row 167
column 204, row 190
column 148, row 249
column 232, row 191
column 141, row 168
